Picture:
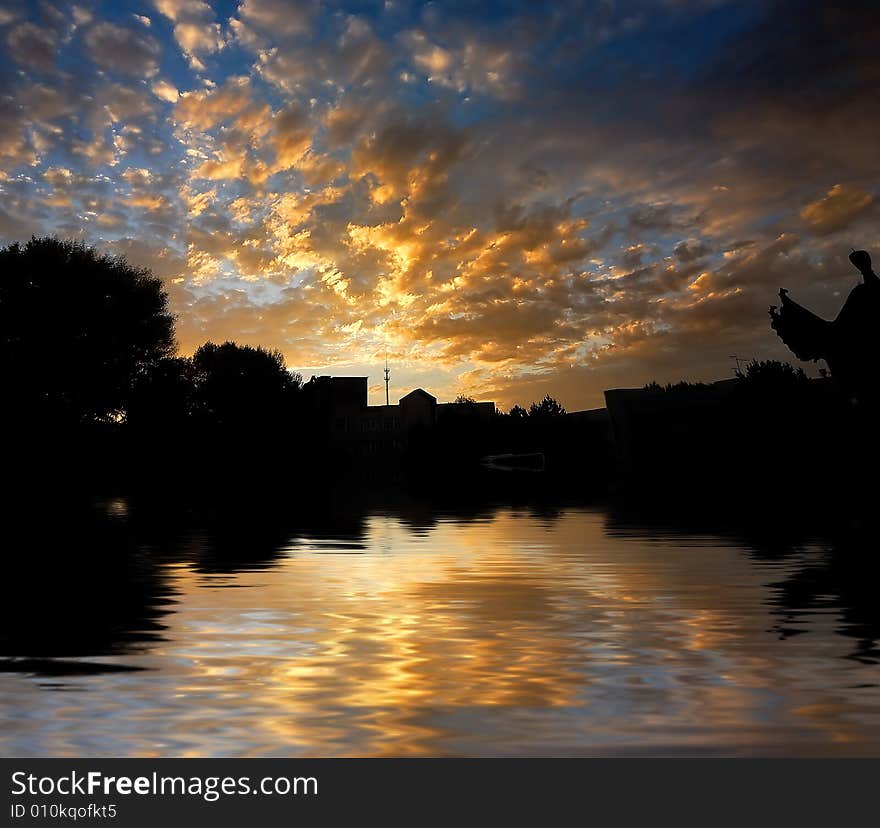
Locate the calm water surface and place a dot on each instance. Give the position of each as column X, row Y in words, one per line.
column 418, row 631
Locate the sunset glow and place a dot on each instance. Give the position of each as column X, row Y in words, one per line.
column 511, row 199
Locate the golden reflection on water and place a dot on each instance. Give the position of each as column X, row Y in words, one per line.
column 508, row 635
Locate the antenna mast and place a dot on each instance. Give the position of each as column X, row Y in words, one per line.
column 387, row 380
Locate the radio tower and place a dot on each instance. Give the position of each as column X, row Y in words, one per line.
column 387, row 380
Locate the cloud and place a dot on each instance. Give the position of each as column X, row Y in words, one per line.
column 238, row 137
column 292, row 135
column 346, row 55
column 33, row 46
column 836, row 210
column 206, row 108
column 14, row 224
column 690, row 250
column 165, row 91
column 277, row 18
column 551, row 198
column 474, row 66
column 196, row 38
column 15, row 147
column 195, row 29
column 123, row 50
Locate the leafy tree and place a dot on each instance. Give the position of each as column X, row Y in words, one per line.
column 463, row 399
column 518, row 413
column 163, row 396
column 677, row 387
column 772, row 372
column 784, row 385
column 77, row 330
column 547, row 408
column 239, row 385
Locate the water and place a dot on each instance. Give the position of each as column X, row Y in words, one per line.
column 414, row 631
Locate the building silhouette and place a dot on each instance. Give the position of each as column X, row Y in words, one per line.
column 339, row 406
column 735, row 435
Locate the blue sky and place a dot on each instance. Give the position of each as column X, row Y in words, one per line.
column 511, row 198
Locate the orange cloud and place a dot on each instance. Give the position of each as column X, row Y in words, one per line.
column 837, row 209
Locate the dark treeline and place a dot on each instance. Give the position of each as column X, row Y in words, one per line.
column 96, row 396
column 771, row 431
column 572, row 453
column 96, row 393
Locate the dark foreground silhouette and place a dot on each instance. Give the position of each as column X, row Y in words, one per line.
column 98, row 400
column 849, row 343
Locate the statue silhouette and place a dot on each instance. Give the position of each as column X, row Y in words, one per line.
column 849, row 343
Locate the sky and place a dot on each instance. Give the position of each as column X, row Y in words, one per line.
column 509, row 199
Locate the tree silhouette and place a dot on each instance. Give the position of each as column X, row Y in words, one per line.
column 772, row 373
column 77, row 330
column 547, row 408
column 518, row 412
column 237, row 386
column 163, row 396
column 680, row 387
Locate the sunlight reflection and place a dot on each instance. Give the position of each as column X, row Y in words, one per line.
column 504, row 635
